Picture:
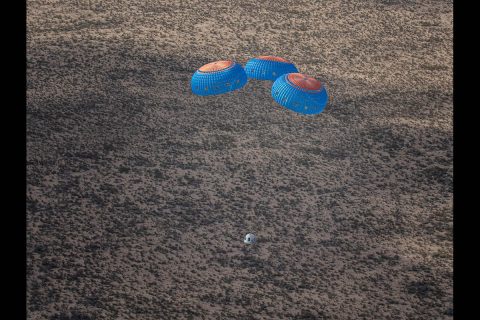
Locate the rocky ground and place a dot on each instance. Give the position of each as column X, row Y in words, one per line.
column 139, row 193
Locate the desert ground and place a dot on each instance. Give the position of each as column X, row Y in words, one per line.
column 139, row 193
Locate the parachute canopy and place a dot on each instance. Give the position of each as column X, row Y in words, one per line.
column 300, row 93
column 268, row 67
column 218, row 77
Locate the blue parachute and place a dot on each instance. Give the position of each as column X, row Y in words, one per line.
column 300, row 93
column 218, row 77
column 268, row 67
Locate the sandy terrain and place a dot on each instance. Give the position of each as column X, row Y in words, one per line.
column 139, row 193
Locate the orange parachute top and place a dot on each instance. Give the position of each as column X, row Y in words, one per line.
column 273, row 58
column 304, row 82
column 216, row 66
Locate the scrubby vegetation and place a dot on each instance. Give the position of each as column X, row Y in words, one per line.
column 139, row 193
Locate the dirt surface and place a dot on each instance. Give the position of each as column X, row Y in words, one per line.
column 140, row 193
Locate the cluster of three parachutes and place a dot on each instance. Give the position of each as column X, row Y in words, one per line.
column 291, row 89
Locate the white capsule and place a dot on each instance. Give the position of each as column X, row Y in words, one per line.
column 250, row 238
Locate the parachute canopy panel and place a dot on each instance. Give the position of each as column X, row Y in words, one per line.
column 268, row 67
column 218, row 77
column 300, row 93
